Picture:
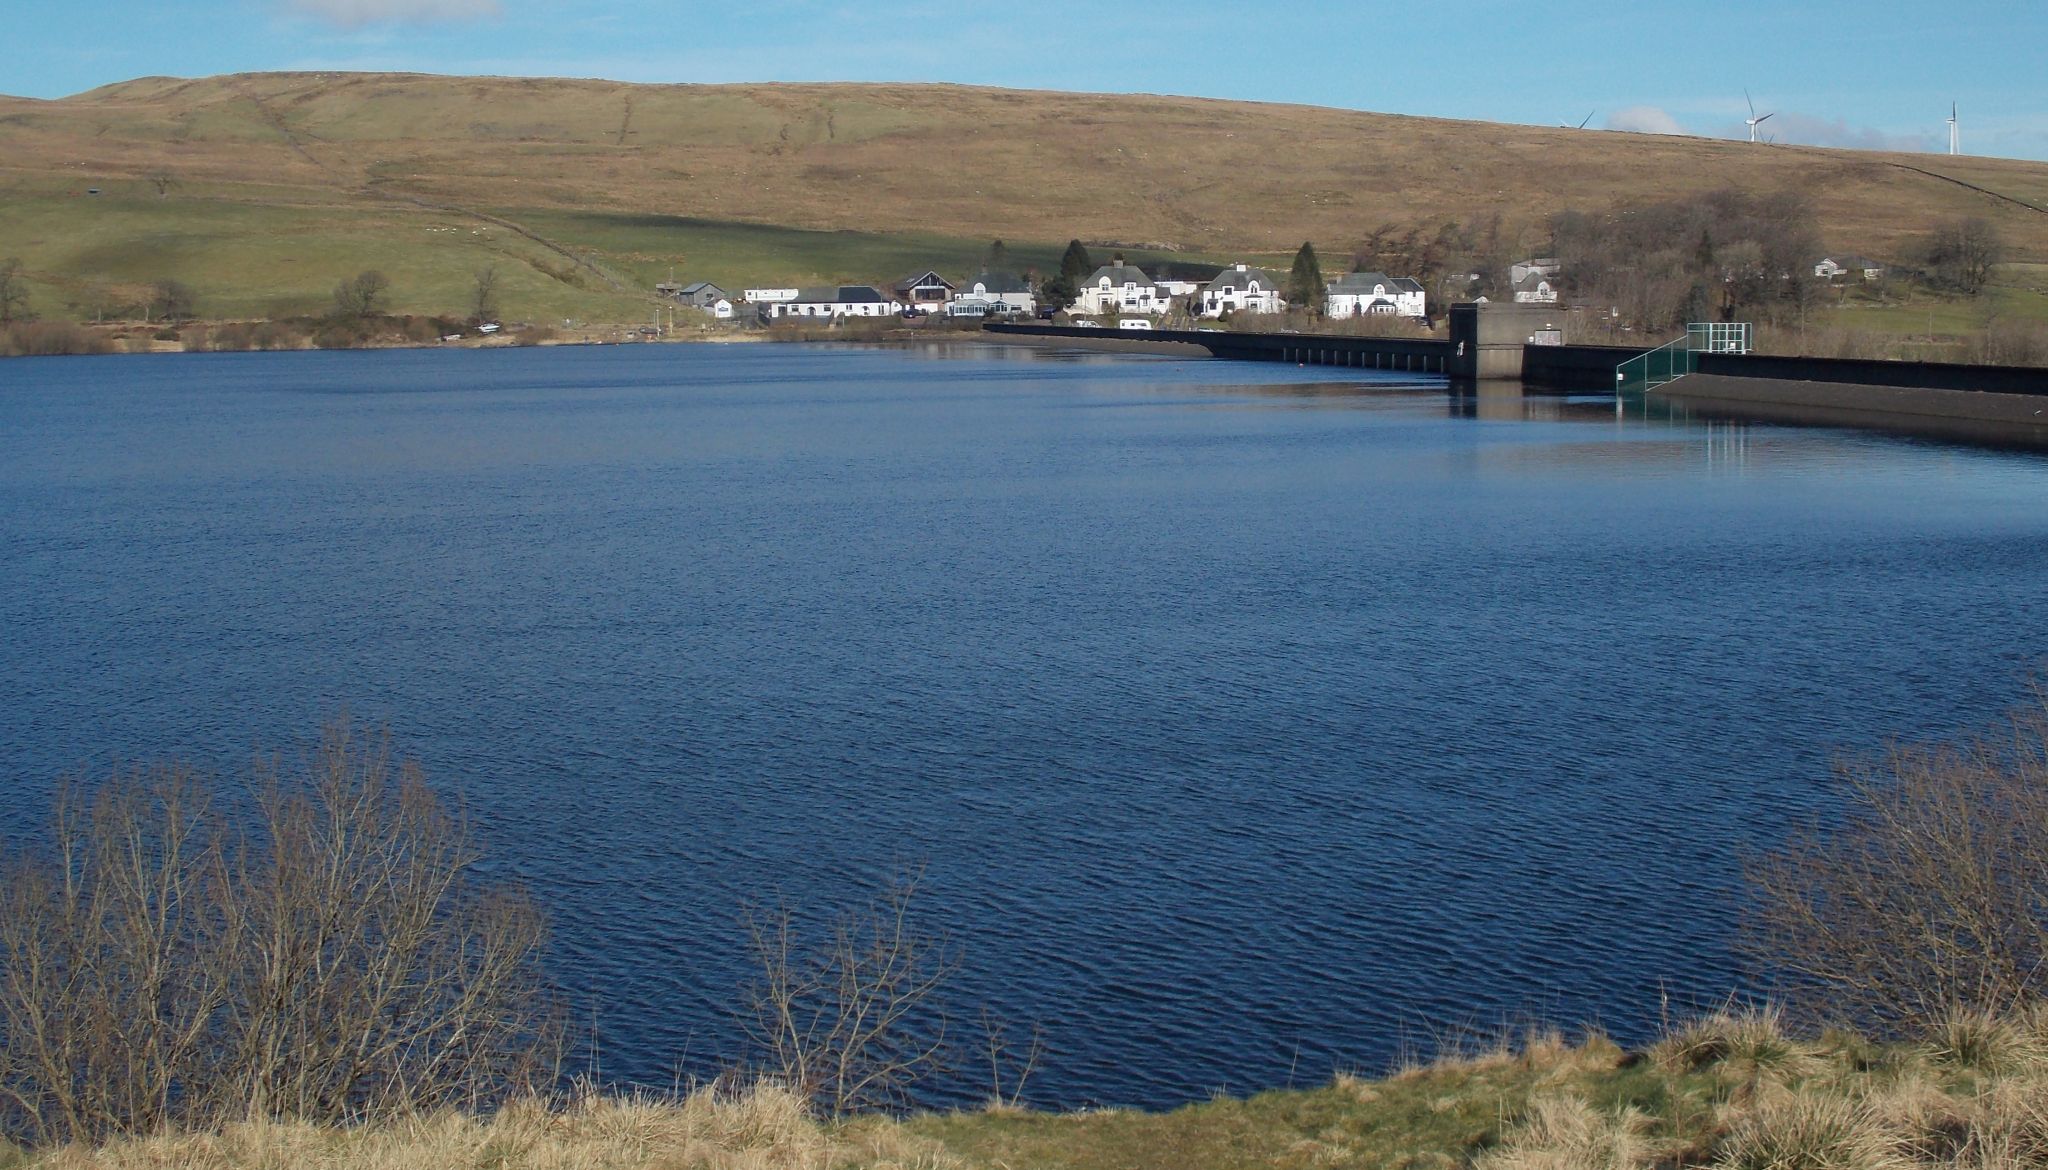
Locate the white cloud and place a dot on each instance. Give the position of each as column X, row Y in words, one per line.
column 357, row 13
column 1644, row 120
column 1806, row 130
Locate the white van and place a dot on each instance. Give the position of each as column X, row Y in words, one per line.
column 1133, row 323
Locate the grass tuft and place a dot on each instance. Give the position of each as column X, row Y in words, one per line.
column 1812, row 1132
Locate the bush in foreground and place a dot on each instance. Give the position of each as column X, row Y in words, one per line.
column 311, row 944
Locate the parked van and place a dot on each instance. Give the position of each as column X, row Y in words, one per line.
column 1133, row 323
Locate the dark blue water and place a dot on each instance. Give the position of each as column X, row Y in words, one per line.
column 1252, row 721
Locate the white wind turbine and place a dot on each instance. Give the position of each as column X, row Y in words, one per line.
column 1955, row 136
column 1753, row 120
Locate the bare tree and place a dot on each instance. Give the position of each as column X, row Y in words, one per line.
column 1962, row 254
column 361, row 295
column 1931, row 897
column 335, row 961
column 483, row 302
column 848, row 1019
column 163, row 181
column 173, row 301
column 1010, row 1062
column 13, row 292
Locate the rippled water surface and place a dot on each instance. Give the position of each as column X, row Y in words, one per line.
column 1252, row 721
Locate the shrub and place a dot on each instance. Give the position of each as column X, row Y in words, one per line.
column 845, row 1018
column 335, row 961
column 50, row 339
column 1926, row 901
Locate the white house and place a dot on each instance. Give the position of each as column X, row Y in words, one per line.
column 1536, row 289
column 1540, row 266
column 1118, row 287
column 990, row 288
column 1365, row 294
column 1849, row 268
column 769, row 296
column 846, row 300
column 1242, row 289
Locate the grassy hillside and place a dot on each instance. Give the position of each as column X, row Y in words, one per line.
column 1732, row 1091
column 583, row 192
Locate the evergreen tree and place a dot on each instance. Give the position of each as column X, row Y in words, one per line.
column 1076, row 265
column 1057, row 291
column 998, row 258
column 1305, row 283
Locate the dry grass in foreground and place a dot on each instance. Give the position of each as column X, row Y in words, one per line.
column 1732, row 1091
column 766, row 1129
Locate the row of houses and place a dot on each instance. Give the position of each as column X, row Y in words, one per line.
column 1125, row 289
column 1115, row 288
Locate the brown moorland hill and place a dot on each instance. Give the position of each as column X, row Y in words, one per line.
column 576, row 180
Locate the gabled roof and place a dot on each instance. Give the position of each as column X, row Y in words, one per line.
column 1530, row 282
column 926, row 278
column 999, row 283
column 1407, row 284
column 1241, row 276
column 701, row 286
column 1120, row 274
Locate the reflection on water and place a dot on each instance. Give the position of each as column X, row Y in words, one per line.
column 1254, row 720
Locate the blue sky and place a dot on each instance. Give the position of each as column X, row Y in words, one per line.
column 1837, row 72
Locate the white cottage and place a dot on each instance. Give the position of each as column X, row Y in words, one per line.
column 1242, row 289
column 1004, row 288
column 1118, row 287
column 1368, row 294
column 1849, row 268
column 1536, row 289
column 846, row 300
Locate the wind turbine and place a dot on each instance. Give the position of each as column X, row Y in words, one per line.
column 1581, row 125
column 1753, row 120
column 1955, row 137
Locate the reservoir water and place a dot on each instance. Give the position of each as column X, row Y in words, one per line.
column 1251, row 722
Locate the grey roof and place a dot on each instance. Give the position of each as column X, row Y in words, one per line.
column 845, row 294
column 1363, row 282
column 1407, row 284
column 1532, row 280
column 1233, row 278
column 999, row 283
column 1120, row 274
column 701, row 286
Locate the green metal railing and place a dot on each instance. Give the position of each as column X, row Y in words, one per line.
column 1668, row 363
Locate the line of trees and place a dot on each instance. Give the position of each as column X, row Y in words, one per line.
column 1722, row 256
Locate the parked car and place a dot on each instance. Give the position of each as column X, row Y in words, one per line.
column 1087, row 324
column 1134, row 323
